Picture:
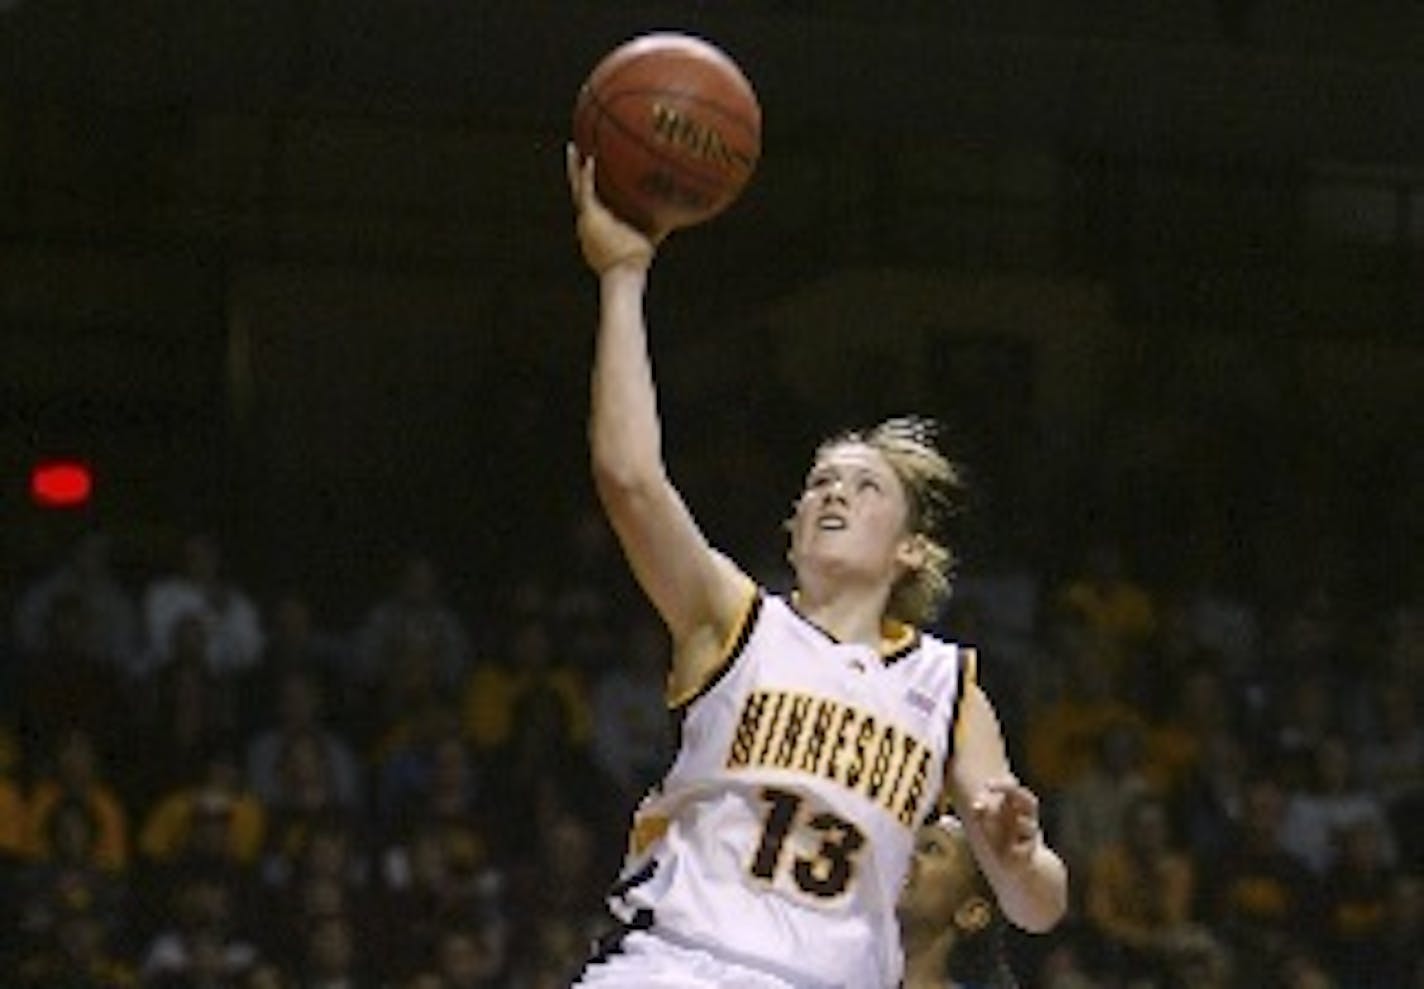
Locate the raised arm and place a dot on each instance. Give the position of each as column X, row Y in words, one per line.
column 1000, row 818
column 699, row 593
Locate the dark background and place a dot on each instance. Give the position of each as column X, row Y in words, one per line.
column 303, row 273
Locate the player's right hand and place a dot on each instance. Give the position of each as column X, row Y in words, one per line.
column 606, row 240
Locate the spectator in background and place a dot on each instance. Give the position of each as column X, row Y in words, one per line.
column 67, row 880
column 267, row 975
column 414, row 615
column 306, row 901
column 562, row 886
column 1304, row 713
column 1003, row 594
column 408, row 699
column 1092, row 809
column 199, row 586
column 1065, row 728
column 106, row 614
column 1198, row 709
column 470, row 955
column 530, row 663
column 543, row 771
column 1165, row 660
column 299, row 709
column 66, row 682
column 1064, row 966
column 631, row 738
column 1224, row 625
column 405, row 764
column 306, row 796
column 332, row 957
column 296, row 643
column 1119, row 612
column 200, row 943
column 1309, row 633
column 559, row 952
column 1391, row 761
column 424, row 884
column 1139, row 896
column 75, row 776
column 186, row 712
column 1318, row 816
column 77, row 954
column 1402, row 961
column 444, row 796
column 1391, row 750
column 590, row 587
column 213, row 818
column 1355, row 911
column 1261, row 897
column 1208, row 801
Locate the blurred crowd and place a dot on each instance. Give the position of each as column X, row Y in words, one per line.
column 207, row 784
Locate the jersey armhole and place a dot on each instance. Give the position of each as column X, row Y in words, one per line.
column 965, row 677
column 968, row 676
column 735, row 643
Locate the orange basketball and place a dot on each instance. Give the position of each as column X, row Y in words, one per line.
column 674, row 128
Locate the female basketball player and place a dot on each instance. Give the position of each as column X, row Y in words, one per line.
column 818, row 732
column 950, row 925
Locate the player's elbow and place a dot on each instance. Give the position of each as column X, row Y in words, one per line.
column 625, row 483
column 1042, row 917
column 619, row 477
column 1044, row 904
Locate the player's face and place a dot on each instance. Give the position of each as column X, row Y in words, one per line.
column 851, row 516
column 941, row 878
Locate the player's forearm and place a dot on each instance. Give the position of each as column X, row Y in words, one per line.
column 624, row 433
column 1033, row 891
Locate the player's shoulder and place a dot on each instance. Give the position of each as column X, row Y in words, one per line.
column 936, row 643
column 937, row 651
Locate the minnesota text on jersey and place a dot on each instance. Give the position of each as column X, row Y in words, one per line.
column 780, row 729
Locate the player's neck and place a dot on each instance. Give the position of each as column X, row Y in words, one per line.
column 848, row 617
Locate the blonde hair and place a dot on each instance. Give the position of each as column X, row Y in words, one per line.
column 935, row 491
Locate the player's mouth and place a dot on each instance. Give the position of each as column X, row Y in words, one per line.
column 831, row 523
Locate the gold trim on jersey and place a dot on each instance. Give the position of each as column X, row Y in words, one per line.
column 896, row 638
column 647, row 830
column 732, row 646
column 820, row 736
column 968, row 676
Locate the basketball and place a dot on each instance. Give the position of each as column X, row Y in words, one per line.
column 674, row 128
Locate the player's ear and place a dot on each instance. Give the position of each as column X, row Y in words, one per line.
column 911, row 552
column 973, row 915
column 788, row 526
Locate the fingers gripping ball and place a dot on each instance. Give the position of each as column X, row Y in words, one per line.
column 674, row 128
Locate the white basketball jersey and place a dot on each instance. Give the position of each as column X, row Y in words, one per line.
column 783, row 832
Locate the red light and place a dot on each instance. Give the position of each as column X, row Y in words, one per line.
column 61, row 484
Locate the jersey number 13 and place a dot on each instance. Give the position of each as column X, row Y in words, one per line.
column 828, row 871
